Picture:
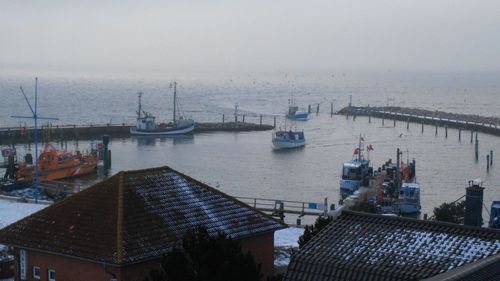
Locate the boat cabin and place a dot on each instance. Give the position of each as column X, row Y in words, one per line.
column 354, row 174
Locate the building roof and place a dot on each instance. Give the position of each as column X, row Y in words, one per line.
column 360, row 246
column 134, row 216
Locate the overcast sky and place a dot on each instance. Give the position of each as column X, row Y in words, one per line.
column 251, row 35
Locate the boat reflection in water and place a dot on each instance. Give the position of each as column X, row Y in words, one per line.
column 152, row 140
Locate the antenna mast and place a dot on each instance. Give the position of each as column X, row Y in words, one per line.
column 35, row 117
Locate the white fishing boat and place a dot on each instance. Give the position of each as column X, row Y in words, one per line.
column 288, row 139
column 147, row 126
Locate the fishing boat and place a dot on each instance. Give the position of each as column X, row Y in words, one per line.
column 495, row 215
column 356, row 172
column 56, row 164
column 294, row 113
column 147, row 126
column 288, row 139
column 398, row 191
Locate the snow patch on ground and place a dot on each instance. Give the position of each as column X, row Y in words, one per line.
column 11, row 211
column 285, row 243
column 287, row 237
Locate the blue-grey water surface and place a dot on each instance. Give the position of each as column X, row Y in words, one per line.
column 244, row 164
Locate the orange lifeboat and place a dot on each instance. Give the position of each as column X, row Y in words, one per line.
column 55, row 164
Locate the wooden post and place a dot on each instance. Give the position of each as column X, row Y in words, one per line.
column 309, row 109
column 436, row 129
column 261, row 119
column 471, row 135
column 331, row 109
column 274, row 122
column 369, row 118
column 422, row 127
column 487, row 163
column 382, row 121
column 394, row 121
column 446, row 131
column 491, row 157
column 223, row 117
column 477, row 148
column 243, row 118
column 317, row 109
column 408, row 124
column 354, row 118
column 459, row 134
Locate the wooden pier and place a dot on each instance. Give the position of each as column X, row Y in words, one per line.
column 488, row 125
column 12, row 135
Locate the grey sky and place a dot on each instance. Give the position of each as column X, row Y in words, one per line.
column 251, row 35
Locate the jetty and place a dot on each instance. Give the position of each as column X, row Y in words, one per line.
column 10, row 135
column 488, row 125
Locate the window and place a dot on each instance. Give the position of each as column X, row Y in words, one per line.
column 51, row 275
column 36, row 272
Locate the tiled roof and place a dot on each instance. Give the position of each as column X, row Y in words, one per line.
column 134, row 216
column 359, row 246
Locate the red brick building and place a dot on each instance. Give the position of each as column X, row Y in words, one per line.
column 119, row 228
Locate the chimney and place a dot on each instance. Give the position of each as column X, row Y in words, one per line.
column 474, row 203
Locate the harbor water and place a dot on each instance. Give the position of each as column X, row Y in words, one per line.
column 244, row 164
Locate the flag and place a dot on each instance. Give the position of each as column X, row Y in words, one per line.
column 356, row 151
column 369, row 147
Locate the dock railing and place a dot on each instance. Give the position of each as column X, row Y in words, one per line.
column 279, row 208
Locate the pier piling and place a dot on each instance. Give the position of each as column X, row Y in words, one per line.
column 488, row 163
column 408, row 124
column 260, row 119
column 243, row 118
column 394, row 121
column 383, row 121
column 446, row 131
column 459, row 134
column 471, row 135
column 309, row 109
column 491, row 157
column 369, row 118
column 422, row 127
column 331, row 109
column 317, row 109
column 436, row 129
column 477, row 148
column 223, row 117
column 274, row 122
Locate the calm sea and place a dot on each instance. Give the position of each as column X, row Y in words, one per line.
column 243, row 164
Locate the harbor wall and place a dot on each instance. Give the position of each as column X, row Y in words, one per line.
column 70, row 132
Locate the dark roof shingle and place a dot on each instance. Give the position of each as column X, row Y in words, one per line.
column 134, row 216
column 357, row 246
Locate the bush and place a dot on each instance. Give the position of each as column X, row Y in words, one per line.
column 450, row 212
column 312, row 230
column 206, row 258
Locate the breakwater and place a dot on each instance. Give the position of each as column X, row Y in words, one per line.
column 489, row 125
column 69, row 132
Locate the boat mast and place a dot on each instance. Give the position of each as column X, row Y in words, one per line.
column 139, row 94
column 359, row 148
column 175, row 98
